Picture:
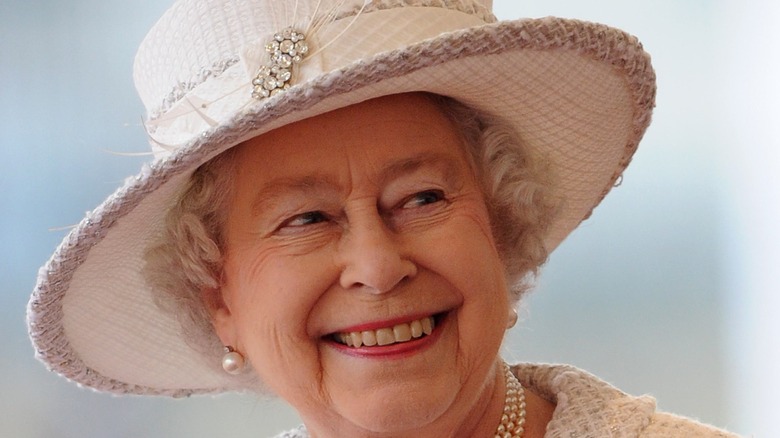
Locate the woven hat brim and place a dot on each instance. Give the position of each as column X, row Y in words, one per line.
column 579, row 94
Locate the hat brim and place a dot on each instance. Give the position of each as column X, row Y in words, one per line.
column 579, row 94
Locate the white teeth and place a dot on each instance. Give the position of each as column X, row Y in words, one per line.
column 427, row 325
column 416, row 329
column 402, row 332
column 388, row 335
column 385, row 336
column 369, row 338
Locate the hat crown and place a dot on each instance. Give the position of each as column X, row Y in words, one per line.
column 198, row 39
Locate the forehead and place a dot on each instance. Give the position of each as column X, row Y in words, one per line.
column 385, row 135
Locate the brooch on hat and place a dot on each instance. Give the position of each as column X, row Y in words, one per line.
column 287, row 49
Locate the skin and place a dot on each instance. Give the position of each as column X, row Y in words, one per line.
column 370, row 214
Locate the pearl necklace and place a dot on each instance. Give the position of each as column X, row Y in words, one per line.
column 513, row 419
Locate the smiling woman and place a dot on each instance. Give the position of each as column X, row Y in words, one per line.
column 343, row 215
column 390, row 222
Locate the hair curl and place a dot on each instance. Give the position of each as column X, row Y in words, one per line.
column 184, row 267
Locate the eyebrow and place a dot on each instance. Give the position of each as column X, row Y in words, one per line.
column 269, row 193
column 277, row 188
column 444, row 162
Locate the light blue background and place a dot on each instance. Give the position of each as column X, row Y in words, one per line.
column 643, row 294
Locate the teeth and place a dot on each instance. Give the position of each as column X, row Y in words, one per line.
column 416, row 329
column 385, row 336
column 369, row 338
column 427, row 325
column 388, row 335
column 402, row 332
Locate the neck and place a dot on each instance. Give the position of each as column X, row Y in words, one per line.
column 486, row 412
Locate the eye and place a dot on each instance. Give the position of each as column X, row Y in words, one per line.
column 423, row 198
column 304, row 219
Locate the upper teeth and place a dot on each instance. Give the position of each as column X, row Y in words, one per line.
column 388, row 335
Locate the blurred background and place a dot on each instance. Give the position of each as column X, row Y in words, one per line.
column 670, row 289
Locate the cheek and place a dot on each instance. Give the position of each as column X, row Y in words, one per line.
column 270, row 303
column 268, row 286
column 468, row 249
column 468, row 258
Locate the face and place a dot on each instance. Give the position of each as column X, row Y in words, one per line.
column 362, row 281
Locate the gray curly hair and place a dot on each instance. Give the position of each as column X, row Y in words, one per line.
column 185, row 266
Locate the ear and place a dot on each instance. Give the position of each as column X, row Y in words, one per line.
column 220, row 315
column 511, row 318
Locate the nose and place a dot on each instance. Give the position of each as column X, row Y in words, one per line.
column 372, row 257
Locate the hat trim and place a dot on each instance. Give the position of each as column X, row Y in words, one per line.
column 597, row 42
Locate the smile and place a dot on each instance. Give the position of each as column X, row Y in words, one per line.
column 396, row 334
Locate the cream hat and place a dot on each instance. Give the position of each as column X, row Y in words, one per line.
column 581, row 94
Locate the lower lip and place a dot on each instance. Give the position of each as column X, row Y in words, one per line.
column 394, row 351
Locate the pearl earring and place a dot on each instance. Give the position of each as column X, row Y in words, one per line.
column 511, row 318
column 232, row 361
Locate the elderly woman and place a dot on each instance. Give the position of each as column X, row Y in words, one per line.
column 348, row 202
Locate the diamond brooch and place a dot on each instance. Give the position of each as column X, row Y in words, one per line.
column 286, row 49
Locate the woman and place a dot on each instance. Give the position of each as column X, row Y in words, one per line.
column 323, row 225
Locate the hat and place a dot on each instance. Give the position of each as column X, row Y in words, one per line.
column 214, row 73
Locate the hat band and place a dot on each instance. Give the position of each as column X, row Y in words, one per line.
column 334, row 45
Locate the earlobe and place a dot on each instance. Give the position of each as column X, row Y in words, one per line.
column 222, row 321
column 220, row 315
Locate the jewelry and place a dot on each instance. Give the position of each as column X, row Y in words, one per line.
column 286, row 49
column 512, row 423
column 232, row 361
column 512, row 318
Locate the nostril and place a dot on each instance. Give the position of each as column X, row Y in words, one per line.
column 377, row 273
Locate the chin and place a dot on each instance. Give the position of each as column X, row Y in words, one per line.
column 393, row 412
